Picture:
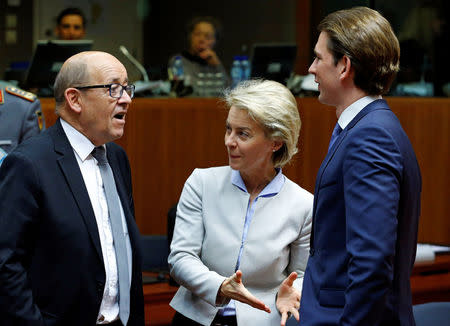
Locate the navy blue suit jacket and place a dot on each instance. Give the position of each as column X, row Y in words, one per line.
column 51, row 264
column 365, row 222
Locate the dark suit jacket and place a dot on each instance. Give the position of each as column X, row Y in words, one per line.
column 366, row 212
column 51, row 265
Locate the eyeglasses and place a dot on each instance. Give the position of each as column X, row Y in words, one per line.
column 115, row 90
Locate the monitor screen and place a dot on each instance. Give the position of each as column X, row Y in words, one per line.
column 273, row 61
column 48, row 59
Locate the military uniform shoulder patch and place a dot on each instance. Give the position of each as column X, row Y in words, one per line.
column 21, row 93
column 2, row 98
column 40, row 118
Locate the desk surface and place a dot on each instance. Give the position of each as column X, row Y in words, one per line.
column 431, row 281
column 156, row 300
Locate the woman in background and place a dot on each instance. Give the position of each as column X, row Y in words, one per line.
column 200, row 59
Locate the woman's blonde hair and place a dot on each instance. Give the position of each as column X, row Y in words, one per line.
column 273, row 106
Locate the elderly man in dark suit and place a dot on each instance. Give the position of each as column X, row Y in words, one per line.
column 20, row 118
column 69, row 245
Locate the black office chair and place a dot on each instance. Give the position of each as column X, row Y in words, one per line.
column 156, row 248
column 432, row 314
column 154, row 257
column 171, row 217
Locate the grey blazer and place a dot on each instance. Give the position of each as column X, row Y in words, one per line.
column 207, row 238
column 20, row 117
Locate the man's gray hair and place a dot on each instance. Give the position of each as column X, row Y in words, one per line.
column 72, row 74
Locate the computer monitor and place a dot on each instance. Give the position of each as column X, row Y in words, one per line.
column 48, row 59
column 273, row 61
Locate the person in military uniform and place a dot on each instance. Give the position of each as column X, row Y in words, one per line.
column 20, row 118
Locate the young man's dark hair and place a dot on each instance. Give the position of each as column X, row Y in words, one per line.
column 71, row 24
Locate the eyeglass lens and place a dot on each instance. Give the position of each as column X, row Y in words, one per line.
column 116, row 90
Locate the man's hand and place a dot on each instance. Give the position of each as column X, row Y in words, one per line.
column 233, row 288
column 288, row 300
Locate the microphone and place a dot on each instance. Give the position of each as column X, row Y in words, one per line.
column 157, row 87
column 140, row 86
column 135, row 62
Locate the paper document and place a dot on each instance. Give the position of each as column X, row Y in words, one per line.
column 427, row 252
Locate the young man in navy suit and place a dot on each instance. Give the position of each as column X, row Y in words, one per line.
column 69, row 246
column 367, row 193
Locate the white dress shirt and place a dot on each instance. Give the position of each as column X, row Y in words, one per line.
column 82, row 147
column 353, row 109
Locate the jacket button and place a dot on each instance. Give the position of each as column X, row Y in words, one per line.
column 100, row 287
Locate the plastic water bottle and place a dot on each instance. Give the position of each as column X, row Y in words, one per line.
column 176, row 77
column 245, row 66
column 236, row 71
column 177, row 69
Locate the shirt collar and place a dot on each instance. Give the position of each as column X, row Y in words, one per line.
column 351, row 111
column 79, row 142
column 271, row 189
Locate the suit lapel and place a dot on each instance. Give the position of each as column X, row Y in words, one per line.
column 330, row 155
column 375, row 105
column 69, row 166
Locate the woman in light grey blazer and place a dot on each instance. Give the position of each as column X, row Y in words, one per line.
column 241, row 237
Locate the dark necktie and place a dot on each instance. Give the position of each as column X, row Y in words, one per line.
column 336, row 131
column 112, row 199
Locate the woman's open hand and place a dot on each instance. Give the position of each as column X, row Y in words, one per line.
column 233, row 288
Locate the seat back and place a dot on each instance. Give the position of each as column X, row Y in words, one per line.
column 432, row 313
column 154, row 253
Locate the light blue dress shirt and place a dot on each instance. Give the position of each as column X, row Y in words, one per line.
column 270, row 190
